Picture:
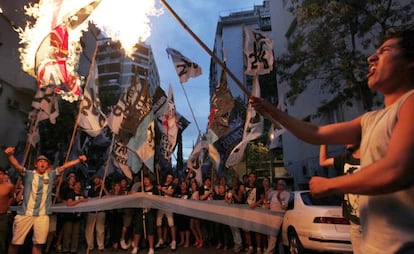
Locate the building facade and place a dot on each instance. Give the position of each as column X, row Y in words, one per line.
column 228, row 44
column 16, row 87
column 117, row 71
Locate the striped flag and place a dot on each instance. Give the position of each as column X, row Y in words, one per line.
column 142, row 145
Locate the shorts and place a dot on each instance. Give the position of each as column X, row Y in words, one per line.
column 168, row 215
column 22, row 225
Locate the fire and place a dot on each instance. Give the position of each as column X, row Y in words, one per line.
column 124, row 20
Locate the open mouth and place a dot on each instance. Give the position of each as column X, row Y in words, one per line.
column 371, row 71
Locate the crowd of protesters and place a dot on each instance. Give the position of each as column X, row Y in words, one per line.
column 136, row 229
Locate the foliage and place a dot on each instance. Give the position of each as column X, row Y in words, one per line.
column 256, row 154
column 329, row 43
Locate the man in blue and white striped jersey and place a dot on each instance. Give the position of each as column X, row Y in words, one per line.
column 37, row 200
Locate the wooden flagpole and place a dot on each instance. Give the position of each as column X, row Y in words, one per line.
column 191, row 109
column 75, row 127
column 81, row 104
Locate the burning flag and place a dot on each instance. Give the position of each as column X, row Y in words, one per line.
column 184, row 67
column 49, row 54
column 51, row 44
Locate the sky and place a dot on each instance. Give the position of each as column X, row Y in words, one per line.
column 201, row 17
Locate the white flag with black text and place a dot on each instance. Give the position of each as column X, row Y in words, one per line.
column 185, row 67
column 258, row 51
column 253, row 129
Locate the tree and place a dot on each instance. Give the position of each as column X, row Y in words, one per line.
column 330, row 41
column 256, row 155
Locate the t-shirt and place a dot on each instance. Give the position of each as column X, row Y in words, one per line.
column 252, row 194
column 93, row 193
column 204, row 189
column 278, row 202
column 166, row 187
column 74, row 196
column 347, row 164
column 219, row 196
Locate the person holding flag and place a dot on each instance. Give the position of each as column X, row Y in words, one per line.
column 385, row 181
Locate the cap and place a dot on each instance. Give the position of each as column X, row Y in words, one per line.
column 42, row 157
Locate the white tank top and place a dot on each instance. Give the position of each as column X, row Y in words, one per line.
column 387, row 220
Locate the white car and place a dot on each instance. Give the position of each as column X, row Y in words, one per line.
column 315, row 224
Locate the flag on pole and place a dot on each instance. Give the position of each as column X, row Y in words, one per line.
column 52, row 67
column 234, row 135
column 253, row 129
column 214, row 155
column 142, row 144
column 202, row 151
column 125, row 116
column 221, row 106
column 46, row 102
column 184, row 67
column 278, row 130
column 120, row 156
column 45, row 106
column 258, row 51
column 56, row 56
column 92, row 120
column 167, row 123
column 196, row 160
column 159, row 101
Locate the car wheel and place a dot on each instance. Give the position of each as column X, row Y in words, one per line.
column 295, row 246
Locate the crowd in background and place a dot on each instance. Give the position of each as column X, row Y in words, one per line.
column 146, row 228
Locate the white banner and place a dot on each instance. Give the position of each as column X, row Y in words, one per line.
column 238, row 215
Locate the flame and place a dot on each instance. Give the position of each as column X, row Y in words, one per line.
column 124, row 20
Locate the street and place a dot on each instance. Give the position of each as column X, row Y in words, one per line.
column 180, row 250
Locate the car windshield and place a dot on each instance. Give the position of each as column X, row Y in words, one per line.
column 334, row 200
